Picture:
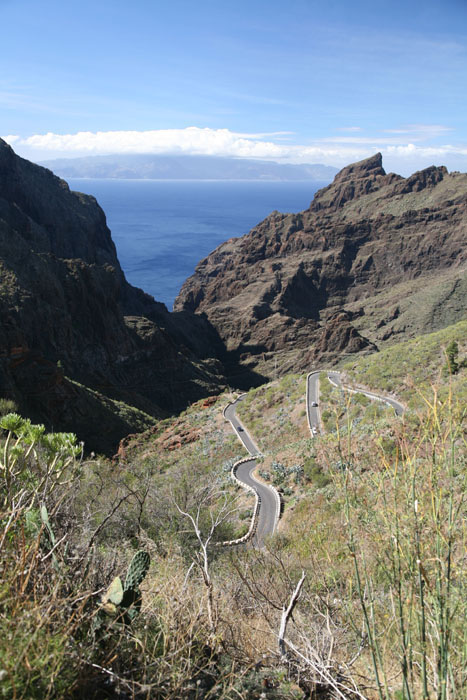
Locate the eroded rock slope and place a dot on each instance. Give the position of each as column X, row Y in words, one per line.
column 376, row 256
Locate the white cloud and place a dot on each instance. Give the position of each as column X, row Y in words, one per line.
column 370, row 140
column 420, row 132
column 412, row 132
column 427, row 151
column 192, row 140
column 11, row 139
column 401, row 153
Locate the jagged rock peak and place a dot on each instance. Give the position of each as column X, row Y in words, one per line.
column 371, row 166
column 429, row 177
column 352, row 182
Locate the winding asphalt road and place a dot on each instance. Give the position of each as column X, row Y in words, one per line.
column 398, row 407
column 314, row 416
column 267, row 516
column 268, row 511
column 312, row 395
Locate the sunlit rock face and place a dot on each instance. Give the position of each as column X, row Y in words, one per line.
column 369, row 243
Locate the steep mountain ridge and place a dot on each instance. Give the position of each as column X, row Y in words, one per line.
column 367, row 234
column 64, row 299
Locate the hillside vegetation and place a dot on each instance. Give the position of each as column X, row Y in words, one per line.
column 374, row 519
column 411, row 367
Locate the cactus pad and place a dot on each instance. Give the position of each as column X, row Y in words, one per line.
column 137, row 570
column 131, row 604
column 114, row 593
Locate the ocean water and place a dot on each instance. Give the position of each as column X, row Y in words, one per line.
column 163, row 228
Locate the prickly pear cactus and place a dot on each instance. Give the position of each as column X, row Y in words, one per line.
column 122, row 602
column 137, row 570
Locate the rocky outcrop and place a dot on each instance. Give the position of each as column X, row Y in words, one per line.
column 353, row 182
column 70, row 323
column 369, row 242
column 338, row 336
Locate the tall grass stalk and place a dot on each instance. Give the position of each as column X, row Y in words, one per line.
column 367, row 609
column 415, row 505
column 368, row 614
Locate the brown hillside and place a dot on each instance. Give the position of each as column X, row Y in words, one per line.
column 375, row 256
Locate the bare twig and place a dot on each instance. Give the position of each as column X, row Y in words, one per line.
column 106, row 519
column 286, row 613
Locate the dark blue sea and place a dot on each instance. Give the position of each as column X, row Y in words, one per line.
column 163, row 228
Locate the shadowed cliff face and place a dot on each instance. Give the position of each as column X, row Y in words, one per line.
column 370, row 242
column 64, row 299
column 51, row 218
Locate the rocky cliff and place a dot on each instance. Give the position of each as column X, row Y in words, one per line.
column 76, row 340
column 376, row 256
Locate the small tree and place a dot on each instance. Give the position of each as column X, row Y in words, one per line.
column 213, row 509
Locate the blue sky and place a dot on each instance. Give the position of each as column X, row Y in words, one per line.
column 294, row 81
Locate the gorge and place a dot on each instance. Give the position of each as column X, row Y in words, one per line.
column 374, row 258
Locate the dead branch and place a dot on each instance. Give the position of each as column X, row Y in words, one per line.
column 286, row 613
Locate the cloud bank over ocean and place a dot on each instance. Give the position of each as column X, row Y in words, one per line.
column 403, row 148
